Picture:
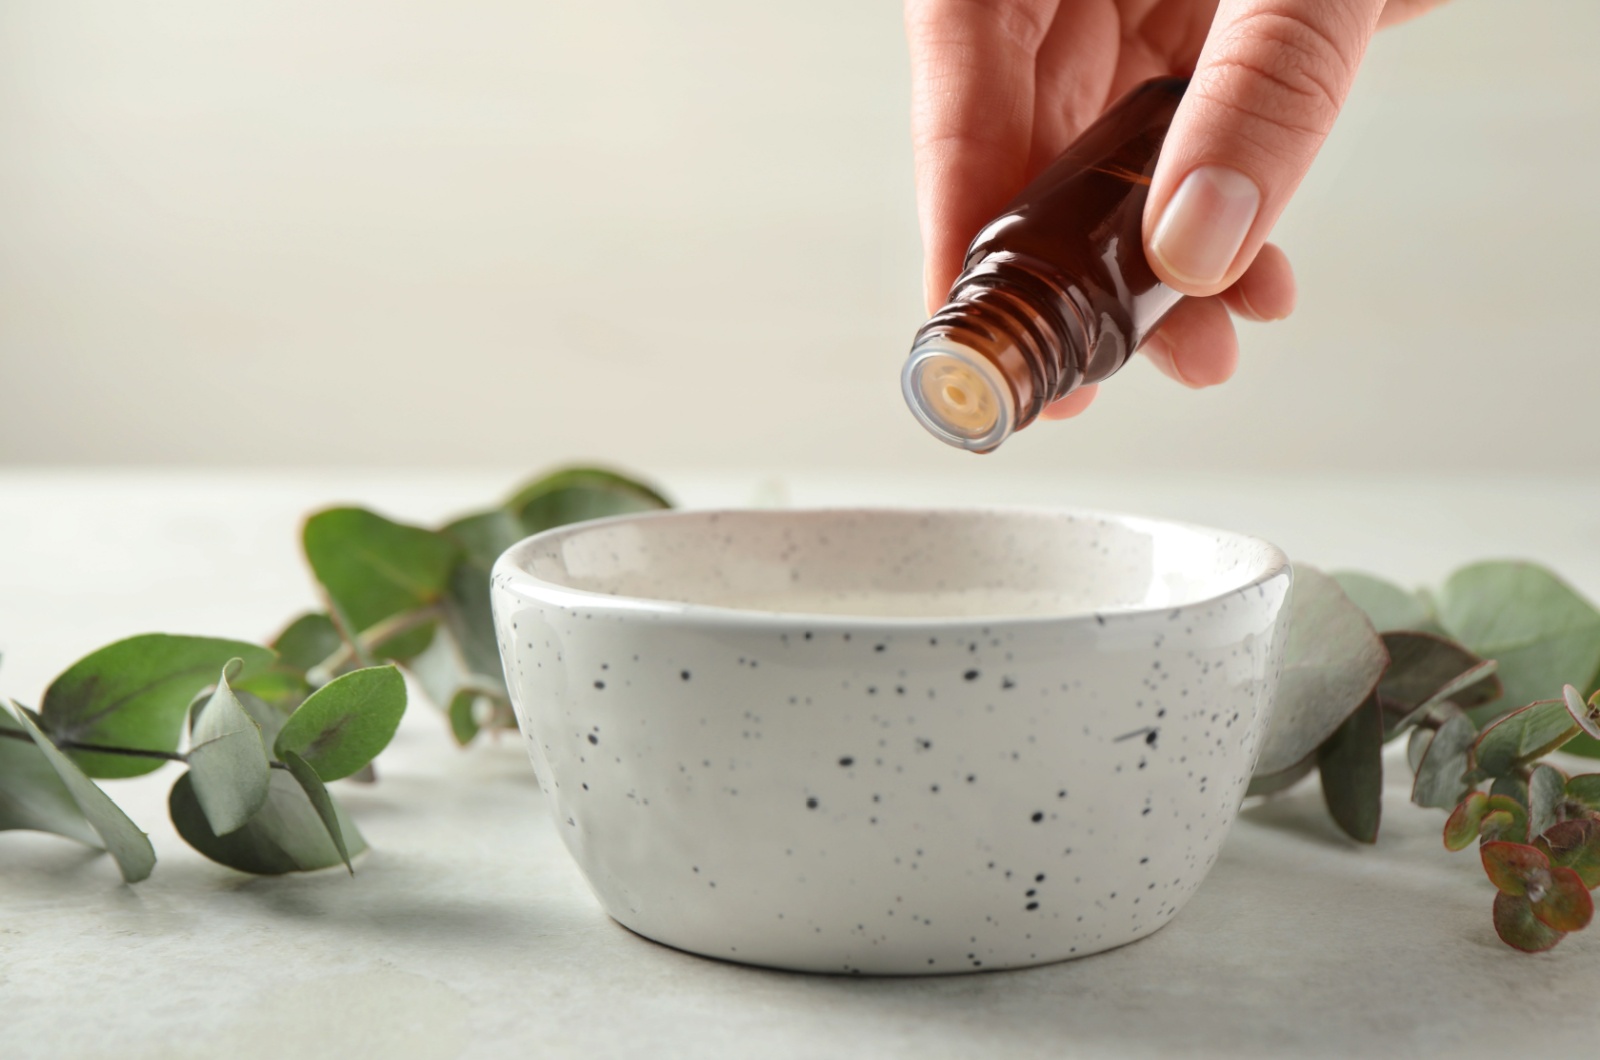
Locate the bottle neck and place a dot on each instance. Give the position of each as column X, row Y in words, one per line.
column 1010, row 339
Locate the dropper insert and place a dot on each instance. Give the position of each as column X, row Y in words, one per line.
column 958, row 395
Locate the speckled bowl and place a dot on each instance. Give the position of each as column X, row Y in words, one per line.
column 892, row 742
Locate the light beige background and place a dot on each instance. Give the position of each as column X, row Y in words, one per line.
column 680, row 233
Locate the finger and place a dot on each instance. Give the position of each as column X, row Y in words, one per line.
column 1266, row 291
column 1072, row 404
column 1269, row 83
column 972, row 99
column 1196, row 344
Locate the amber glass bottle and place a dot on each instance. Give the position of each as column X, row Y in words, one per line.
column 1056, row 291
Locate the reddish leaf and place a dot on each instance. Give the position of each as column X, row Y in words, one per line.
column 1575, row 845
column 1462, row 827
column 1518, row 928
column 1511, row 865
column 1565, row 904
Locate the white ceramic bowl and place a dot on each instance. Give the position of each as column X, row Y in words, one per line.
column 892, row 741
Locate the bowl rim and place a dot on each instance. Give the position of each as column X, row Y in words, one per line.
column 510, row 573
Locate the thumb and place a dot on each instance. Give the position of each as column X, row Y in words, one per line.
column 1269, row 82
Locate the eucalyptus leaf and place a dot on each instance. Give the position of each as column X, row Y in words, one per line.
column 1332, row 662
column 1273, row 783
column 321, row 801
column 452, row 686
column 287, row 835
column 269, row 717
column 1440, row 781
column 373, row 569
column 228, row 762
column 1585, row 788
column 1546, row 786
column 1388, row 606
column 130, row 847
column 1585, row 714
column 344, row 724
column 1512, row 787
column 1475, row 683
column 1417, row 746
column 32, row 795
column 1518, row 928
column 1426, row 670
column 1351, row 764
column 135, row 694
column 466, row 609
column 577, row 494
column 1523, row 736
column 1540, row 630
column 307, row 641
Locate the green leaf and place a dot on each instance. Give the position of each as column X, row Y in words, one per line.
column 32, row 795
column 321, row 801
column 228, row 762
column 1332, row 662
column 1417, row 747
column 307, row 641
column 1273, row 783
column 1440, row 776
column 1585, row 789
column 135, row 694
column 1387, row 605
column 578, row 494
column 1541, row 631
column 1518, row 928
column 344, row 724
column 1574, row 845
column 1351, row 763
column 269, row 717
column 1523, row 736
column 453, row 687
column 287, row 835
column 1462, row 827
column 1512, row 787
column 1585, row 714
column 1505, row 819
column 130, row 847
column 483, row 536
column 1546, row 787
column 373, row 568
column 464, row 718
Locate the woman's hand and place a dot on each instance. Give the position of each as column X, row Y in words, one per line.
column 1000, row 87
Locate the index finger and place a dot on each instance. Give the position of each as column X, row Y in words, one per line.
column 972, row 99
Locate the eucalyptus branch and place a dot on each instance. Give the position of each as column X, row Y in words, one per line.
column 358, row 646
column 100, row 749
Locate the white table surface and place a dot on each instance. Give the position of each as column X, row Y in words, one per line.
column 468, row 932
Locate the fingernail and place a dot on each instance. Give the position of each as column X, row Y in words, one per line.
column 1205, row 223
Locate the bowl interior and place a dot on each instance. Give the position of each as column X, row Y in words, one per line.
column 899, row 564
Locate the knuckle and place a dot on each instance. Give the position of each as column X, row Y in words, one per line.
column 1018, row 25
column 1286, row 70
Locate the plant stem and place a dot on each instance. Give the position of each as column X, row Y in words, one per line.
column 357, row 645
column 104, row 749
column 100, row 749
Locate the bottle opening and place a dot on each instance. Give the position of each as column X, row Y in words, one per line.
column 959, row 396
